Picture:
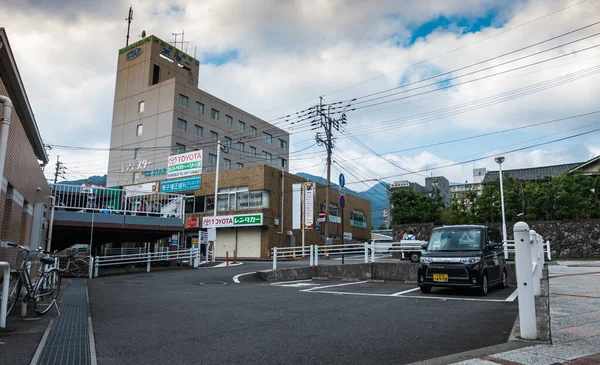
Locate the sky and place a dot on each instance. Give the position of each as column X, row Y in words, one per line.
column 436, row 72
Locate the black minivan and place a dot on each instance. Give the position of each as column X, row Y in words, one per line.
column 463, row 256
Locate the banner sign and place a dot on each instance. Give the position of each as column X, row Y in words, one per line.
column 192, row 222
column 191, row 183
column 185, row 164
column 240, row 220
column 141, row 189
column 347, row 236
column 296, row 206
column 309, row 205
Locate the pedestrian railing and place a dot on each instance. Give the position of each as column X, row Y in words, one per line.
column 509, row 247
column 191, row 255
column 103, row 200
column 313, row 252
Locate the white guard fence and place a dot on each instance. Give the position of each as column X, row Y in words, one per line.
column 313, row 252
column 118, row 201
column 509, row 247
column 191, row 256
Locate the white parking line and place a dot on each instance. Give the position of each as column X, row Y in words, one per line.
column 404, row 296
column 236, row 279
column 404, row 292
column 513, row 296
column 332, row 286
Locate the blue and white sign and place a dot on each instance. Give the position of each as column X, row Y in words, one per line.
column 134, row 53
column 342, row 180
column 172, row 186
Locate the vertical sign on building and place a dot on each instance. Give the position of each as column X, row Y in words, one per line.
column 296, row 206
column 309, row 205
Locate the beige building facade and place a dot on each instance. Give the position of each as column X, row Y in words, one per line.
column 159, row 112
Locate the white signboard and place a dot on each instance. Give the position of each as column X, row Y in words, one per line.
column 203, row 236
column 347, row 236
column 185, row 164
column 296, row 206
column 141, row 189
column 309, row 205
column 239, row 220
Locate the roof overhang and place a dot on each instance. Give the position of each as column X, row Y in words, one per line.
column 589, row 162
column 18, row 96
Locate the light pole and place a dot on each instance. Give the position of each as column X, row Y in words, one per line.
column 499, row 161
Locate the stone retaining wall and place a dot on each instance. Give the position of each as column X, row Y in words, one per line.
column 568, row 239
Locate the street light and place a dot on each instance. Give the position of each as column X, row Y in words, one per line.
column 499, row 161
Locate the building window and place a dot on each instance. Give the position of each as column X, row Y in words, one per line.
column 252, row 151
column 281, row 162
column 181, row 124
column 136, row 177
column 180, row 148
column 228, row 120
column 212, row 159
column 210, row 202
column 214, row 113
column 252, row 132
column 334, row 213
column 141, row 106
column 156, row 75
column 358, row 219
column 240, row 146
column 227, row 142
column 240, row 165
column 198, row 130
column 282, row 144
column 199, row 108
column 267, row 156
column 183, row 100
column 268, row 138
column 214, row 136
column 239, row 198
column 241, row 126
column 226, row 164
column 139, row 129
column 136, row 153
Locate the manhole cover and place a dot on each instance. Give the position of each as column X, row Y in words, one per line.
column 213, row 283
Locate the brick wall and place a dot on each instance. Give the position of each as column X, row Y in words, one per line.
column 26, row 222
column 23, row 173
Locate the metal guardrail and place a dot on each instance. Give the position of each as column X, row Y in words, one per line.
column 118, row 201
column 192, row 254
column 509, row 246
column 123, row 251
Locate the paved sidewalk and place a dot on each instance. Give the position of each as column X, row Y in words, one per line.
column 574, row 321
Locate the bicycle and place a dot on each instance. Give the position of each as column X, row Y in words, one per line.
column 43, row 290
column 77, row 267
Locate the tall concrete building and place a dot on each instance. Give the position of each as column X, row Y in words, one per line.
column 159, row 111
column 438, row 184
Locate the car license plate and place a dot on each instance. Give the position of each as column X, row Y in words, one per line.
column 440, row 277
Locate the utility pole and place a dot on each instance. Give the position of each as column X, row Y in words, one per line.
column 58, row 172
column 389, row 201
column 328, row 124
column 129, row 19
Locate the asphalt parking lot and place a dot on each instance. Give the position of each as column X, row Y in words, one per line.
column 168, row 317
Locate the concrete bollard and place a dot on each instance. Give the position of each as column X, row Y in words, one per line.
column 316, row 251
column 535, row 262
column 274, row 258
column 310, row 254
column 366, row 253
column 527, row 316
column 96, row 264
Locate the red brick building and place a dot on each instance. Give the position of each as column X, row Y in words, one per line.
column 24, row 196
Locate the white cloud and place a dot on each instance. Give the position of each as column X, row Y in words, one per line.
column 293, row 51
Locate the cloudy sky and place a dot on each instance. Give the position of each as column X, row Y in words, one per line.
column 500, row 65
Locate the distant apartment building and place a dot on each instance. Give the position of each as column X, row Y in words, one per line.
column 24, row 195
column 457, row 191
column 159, row 112
column 438, row 185
column 406, row 185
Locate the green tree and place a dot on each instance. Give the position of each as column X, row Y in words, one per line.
column 412, row 207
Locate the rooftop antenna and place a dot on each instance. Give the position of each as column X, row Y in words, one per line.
column 129, row 19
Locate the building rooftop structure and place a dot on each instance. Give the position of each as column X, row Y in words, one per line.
column 532, row 173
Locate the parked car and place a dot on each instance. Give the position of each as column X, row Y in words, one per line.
column 463, row 256
column 412, row 247
column 382, row 245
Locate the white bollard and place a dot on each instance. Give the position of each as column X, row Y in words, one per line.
column 148, row 264
column 274, row 258
column 316, row 251
column 373, row 252
column 527, row 316
column 535, row 262
column 90, row 267
column 366, row 253
column 4, row 303
column 96, row 263
column 310, row 254
column 549, row 255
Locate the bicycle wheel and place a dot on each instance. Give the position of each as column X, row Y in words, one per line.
column 46, row 291
column 14, row 289
column 78, row 268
